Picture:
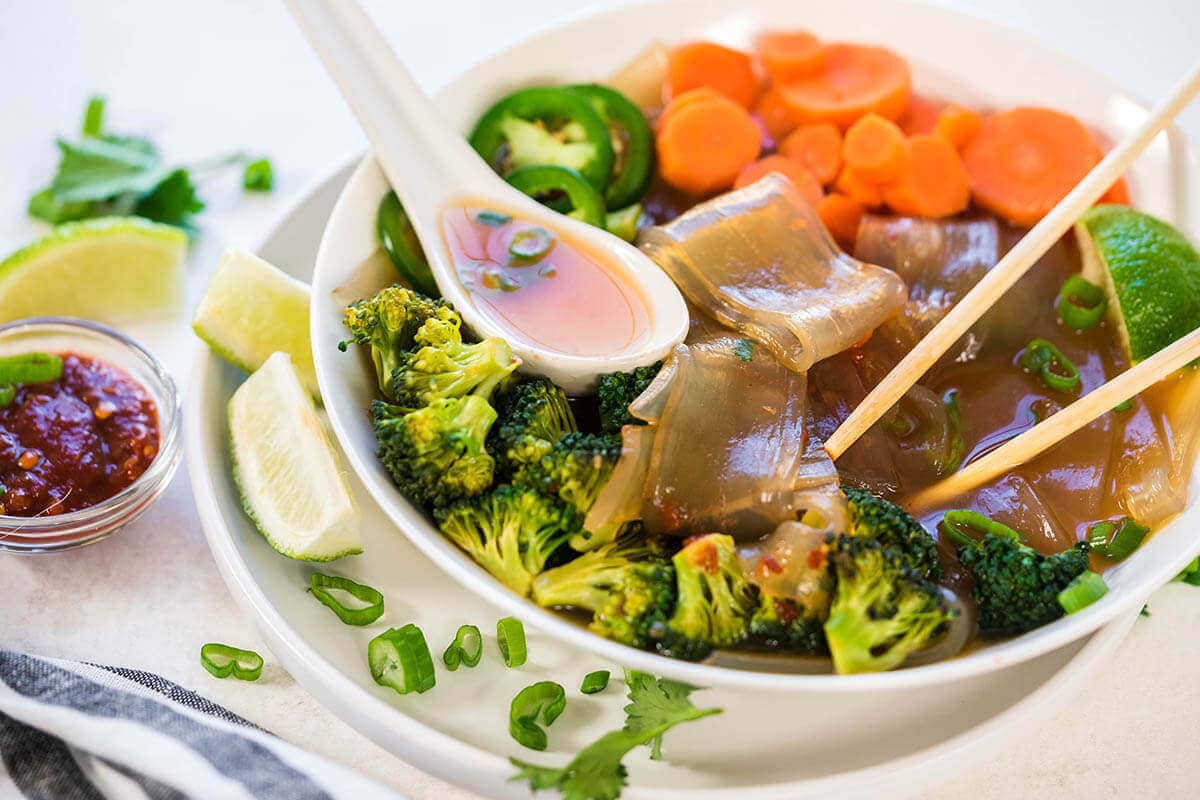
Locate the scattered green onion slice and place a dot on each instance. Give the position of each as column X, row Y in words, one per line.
column 546, row 698
column 959, row 522
column 493, row 219
column 1120, row 545
column 30, row 368
column 1081, row 304
column 8, row 393
column 321, row 586
column 467, row 648
column 93, row 117
column 259, row 176
column 1080, row 593
column 399, row 659
column 1123, row 406
column 1046, row 361
column 594, row 682
column 510, row 635
column 221, row 661
column 955, row 447
column 529, row 246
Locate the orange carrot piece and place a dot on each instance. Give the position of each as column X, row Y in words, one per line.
column 958, row 125
column 818, row 146
column 703, row 93
column 849, row 182
column 789, row 54
column 790, row 168
column 704, row 141
column 1117, row 193
column 697, row 64
column 921, row 116
column 853, row 80
column 776, row 115
column 841, row 215
column 1025, row 160
column 874, row 148
column 936, row 183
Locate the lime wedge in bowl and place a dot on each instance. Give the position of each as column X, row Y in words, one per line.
column 1150, row 274
column 289, row 476
column 104, row 269
column 250, row 310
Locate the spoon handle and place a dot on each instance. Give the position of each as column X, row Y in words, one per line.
column 425, row 160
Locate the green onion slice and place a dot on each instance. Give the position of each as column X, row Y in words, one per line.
column 510, row 635
column 1046, row 361
column 258, row 176
column 1080, row 593
column 30, row 368
column 8, row 393
column 221, row 661
column 1081, row 304
column 545, row 698
column 956, row 447
column 493, row 219
column 960, row 522
column 594, row 682
column 1118, row 546
column 399, row 659
column 323, row 586
column 529, row 246
column 1123, row 406
column 93, row 117
column 467, row 648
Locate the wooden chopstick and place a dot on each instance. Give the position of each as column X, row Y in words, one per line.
column 1053, row 430
column 1011, row 267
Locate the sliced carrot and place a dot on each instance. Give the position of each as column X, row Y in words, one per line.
column 697, row 64
column 1117, row 193
column 703, row 93
column 921, row 115
column 704, row 141
column 788, row 54
column 935, row 184
column 776, row 116
column 874, row 148
column 790, row 168
column 1023, row 161
column 853, row 80
column 818, row 146
column 958, row 125
column 841, row 215
column 867, row 192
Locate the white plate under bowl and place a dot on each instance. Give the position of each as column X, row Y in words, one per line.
column 767, row 745
column 952, row 56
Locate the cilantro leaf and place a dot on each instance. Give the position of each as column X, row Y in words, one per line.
column 172, row 201
column 100, row 169
column 596, row 773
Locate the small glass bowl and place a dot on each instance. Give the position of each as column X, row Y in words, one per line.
column 56, row 532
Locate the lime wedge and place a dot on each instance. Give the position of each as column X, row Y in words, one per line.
column 105, row 269
column 251, row 310
column 288, row 473
column 1149, row 271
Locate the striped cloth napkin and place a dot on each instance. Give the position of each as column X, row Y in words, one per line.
column 76, row 731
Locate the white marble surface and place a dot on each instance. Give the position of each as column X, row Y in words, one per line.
column 204, row 78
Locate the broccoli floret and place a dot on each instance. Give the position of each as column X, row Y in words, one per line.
column 715, row 601
column 388, row 324
column 534, row 415
column 781, row 623
column 882, row 611
column 629, row 590
column 617, row 390
column 1016, row 587
column 895, row 529
column 436, row 454
column 510, row 532
column 444, row 366
column 575, row 470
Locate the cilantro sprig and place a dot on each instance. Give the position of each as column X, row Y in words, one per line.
column 656, row 705
column 104, row 174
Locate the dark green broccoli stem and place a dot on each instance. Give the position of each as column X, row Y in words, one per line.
column 436, row 454
column 387, row 324
column 510, row 532
column 895, row 529
column 882, row 612
column 617, row 390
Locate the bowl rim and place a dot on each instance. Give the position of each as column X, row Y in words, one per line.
column 96, row 522
column 414, row 524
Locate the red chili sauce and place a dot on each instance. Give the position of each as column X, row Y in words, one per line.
column 69, row 444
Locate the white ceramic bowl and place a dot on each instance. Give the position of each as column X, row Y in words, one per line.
column 953, row 57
